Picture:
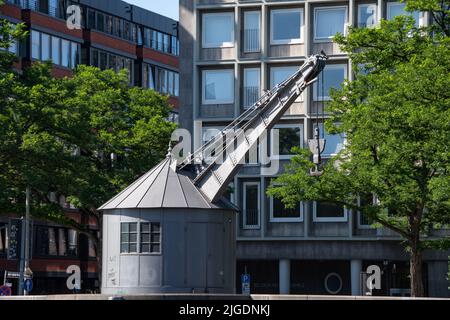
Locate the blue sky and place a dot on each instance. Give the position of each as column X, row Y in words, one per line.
column 168, row 8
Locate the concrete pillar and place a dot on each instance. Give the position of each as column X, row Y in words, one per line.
column 355, row 271
column 285, row 276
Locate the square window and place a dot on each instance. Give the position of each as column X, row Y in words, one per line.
column 367, row 15
column 279, row 74
column 218, row 30
column 334, row 142
column 279, row 212
column 329, row 212
column 332, row 77
column 329, row 21
column 218, row 87
column 285, row 137
column 286, row 25
column 395, row 9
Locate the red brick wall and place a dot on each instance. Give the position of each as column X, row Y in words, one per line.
column 110, row 42
column 35, row 18
column 11, row 11
column 146, row 53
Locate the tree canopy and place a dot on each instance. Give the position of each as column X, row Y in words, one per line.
column 396, row 119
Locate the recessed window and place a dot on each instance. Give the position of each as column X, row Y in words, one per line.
column 365, row 222
column 280, row 74
column 3, row 237
column 218, row 30
column 208, row 134
column 333, row 75
column 279, row 212
column 218, row 86
column 329, row 212
column 334, row 142
column 65, row 53
column 329, row 21
column 251, row 86
column 395, row 9
column 286, row 136
column 252, row 33
column 286, row 26
column 367, row 15
column 251, row 205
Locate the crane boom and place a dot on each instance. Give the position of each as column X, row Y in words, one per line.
column 213, row 178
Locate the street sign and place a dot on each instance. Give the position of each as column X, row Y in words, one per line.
column 5, row 291
column 14, row 234
column 16, row 275
column 28, row 285
column 245, row 280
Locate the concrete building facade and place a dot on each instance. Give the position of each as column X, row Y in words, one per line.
column 230, row 52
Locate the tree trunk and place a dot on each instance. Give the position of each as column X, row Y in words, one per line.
column 417, row 289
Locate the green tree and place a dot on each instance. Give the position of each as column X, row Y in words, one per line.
column 85, row 137
column 396, row 118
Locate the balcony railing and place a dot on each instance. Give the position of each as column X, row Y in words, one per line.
column 251, row 95
column 251, row 218
column 251, row 40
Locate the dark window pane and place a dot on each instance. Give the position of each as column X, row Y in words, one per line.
column 329, row 210
column 145, row 237
column 156, row 237
column 125, row 237
column 145, row 227
column 155, row 248
column 289, row 138
column 145, row 248
column 133, row 237
column 156, row 227
column 133, row 227
column 124, row 248
column 133, row 247
column 124, row 227
column 280, row 211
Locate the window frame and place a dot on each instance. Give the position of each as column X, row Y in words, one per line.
column 316, row 84
column 229, row 44
column 290, row 41
column 246, row 13
column 274, row 219
column 244, row 206
column 390, row 4
column 360, row 214
column 213, row 102
column 138, row 239
column 328, row 39
column 286, row 126
column 344, row 218
column 245, row 77
column 375, row 14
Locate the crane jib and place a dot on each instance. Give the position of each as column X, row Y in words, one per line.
column 214, row 176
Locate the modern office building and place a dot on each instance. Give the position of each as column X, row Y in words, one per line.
column 230, row 53
column 112, row 34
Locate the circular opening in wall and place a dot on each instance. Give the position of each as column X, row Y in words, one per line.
column 333, row 283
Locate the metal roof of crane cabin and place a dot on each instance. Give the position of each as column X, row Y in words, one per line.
column 164, row 187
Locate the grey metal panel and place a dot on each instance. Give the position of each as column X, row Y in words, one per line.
column 155, row 196
column 129, row 271
column 174, row 252
column 173, row 195
column 196, row 258
column 215, row 271
column 193, row 197
column 149, row 271
column 135, row 197
column 111, row 204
